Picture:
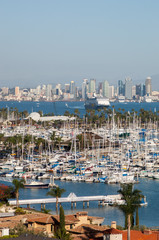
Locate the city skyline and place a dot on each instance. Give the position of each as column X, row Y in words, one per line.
column 63, row 41
column 89, row 89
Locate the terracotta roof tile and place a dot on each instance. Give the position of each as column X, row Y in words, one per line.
column 113, row 231
column 85, row 228
column 47, row 219
column 138, row 235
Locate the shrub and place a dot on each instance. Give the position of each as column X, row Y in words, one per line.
column 20, row 211
column 9, row 236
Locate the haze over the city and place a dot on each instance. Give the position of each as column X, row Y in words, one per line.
column 62, row 41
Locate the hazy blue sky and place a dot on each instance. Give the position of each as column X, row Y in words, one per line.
column 51, row 41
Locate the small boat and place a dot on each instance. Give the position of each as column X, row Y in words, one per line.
column 35, row 184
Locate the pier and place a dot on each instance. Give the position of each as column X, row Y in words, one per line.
column 72, row 198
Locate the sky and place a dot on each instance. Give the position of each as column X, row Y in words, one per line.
column 57, row 41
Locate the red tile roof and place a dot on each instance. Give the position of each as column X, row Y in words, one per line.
column 46, row 220
column 138, row 235
column 113, row 231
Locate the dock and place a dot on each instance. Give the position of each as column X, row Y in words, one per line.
column 72, row 198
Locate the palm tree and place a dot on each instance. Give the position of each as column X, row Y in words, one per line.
column 57, row 193
column 17, row 185
column 58, row 141
column 132, row 202
column 53, row 138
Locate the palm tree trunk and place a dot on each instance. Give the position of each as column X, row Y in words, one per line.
column 17, row 199
column 137, row 217
column 57, row 206
column 129, row 225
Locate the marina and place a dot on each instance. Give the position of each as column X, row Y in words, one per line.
column 103, row 156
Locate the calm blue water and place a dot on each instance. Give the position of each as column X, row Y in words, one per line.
column 59, row 108
column 149, row 215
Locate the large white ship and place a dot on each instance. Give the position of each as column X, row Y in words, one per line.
column 97, row 102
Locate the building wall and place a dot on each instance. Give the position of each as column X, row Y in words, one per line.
column 113, row 237
column 82, row 220
column 44, row 227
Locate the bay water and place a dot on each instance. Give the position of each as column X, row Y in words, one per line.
column 149, row 215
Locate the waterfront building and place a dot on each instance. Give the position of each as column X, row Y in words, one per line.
column 106, row 89
column 148, row 86
column 128, row 88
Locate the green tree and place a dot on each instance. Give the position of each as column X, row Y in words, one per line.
column 132, row 200
column 6, row 192
column 61, row 231
column 77, row 113
column 57, row 193
column 17, row 185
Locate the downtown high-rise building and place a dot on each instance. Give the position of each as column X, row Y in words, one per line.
column 92, row 86
column 38, row 90
column 148, row 86
column 16, row 91
column 111, row 91
column 143, row 90
column 138, row 89
column 134, row 92
column 100, row 88
column 49, row 92
column 106, row 89
column 67, row 88
column 128, row 88
column 84, row 88
column 121, row 88
column 58, row 89
column 72, row 87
